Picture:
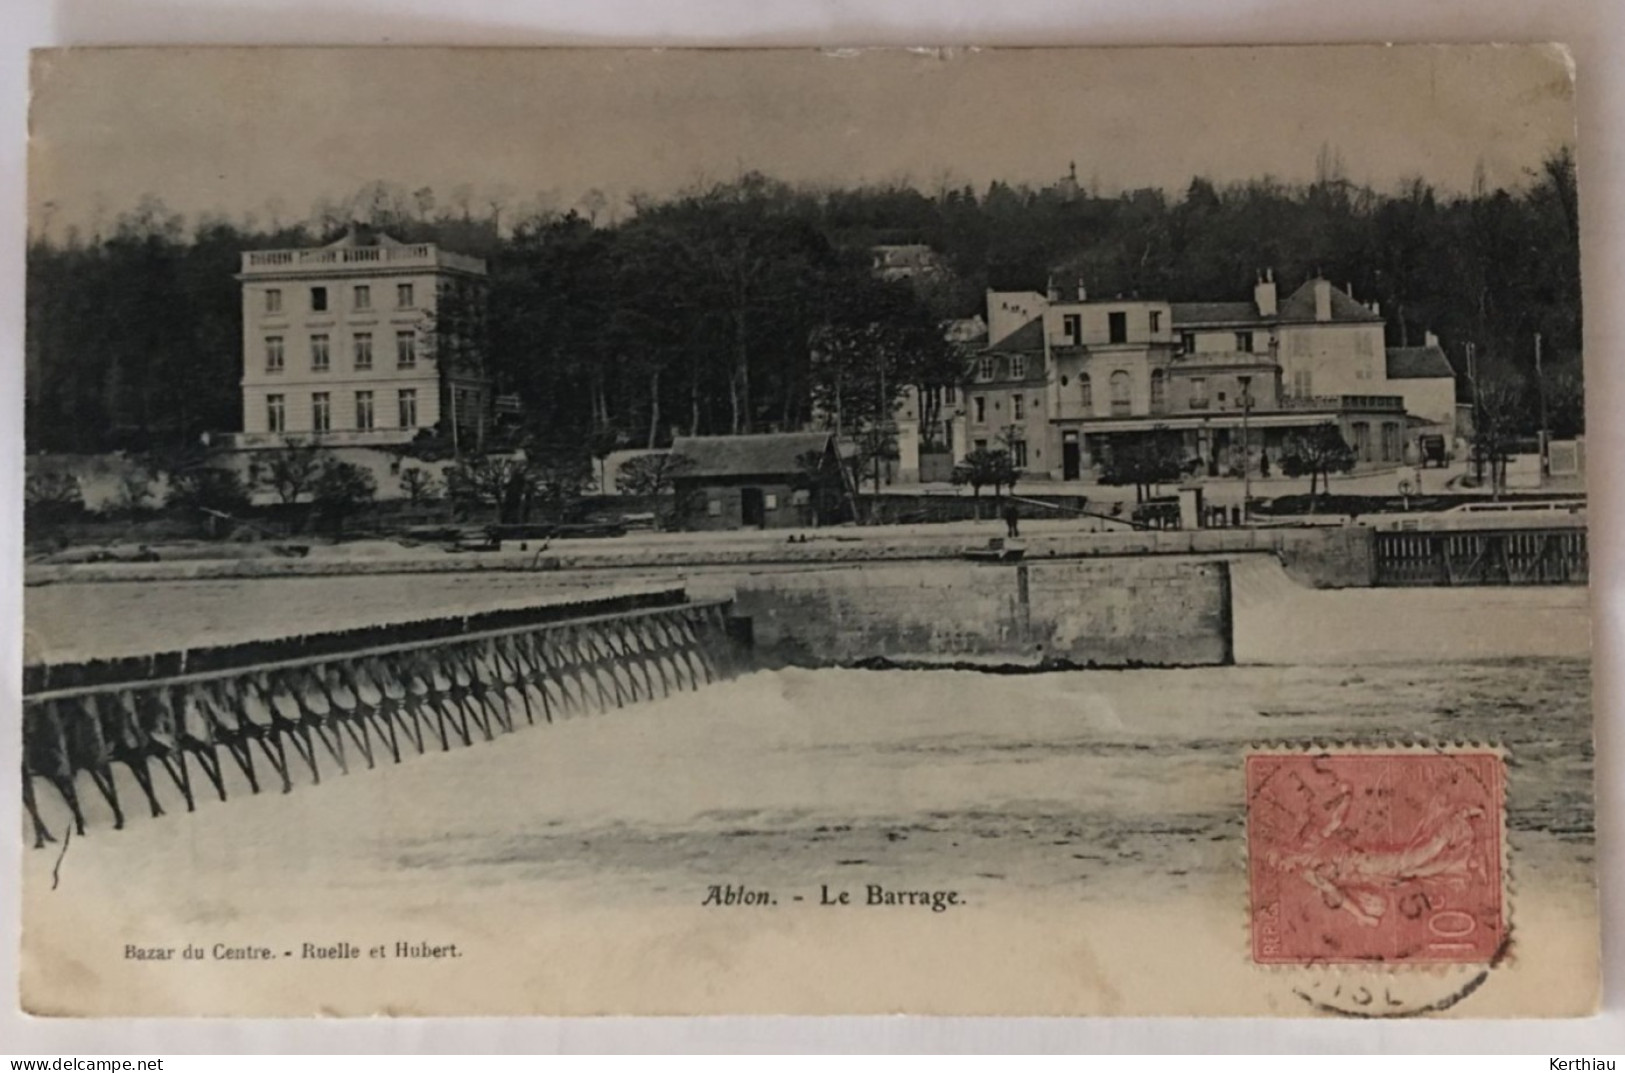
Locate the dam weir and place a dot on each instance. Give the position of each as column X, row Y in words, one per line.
column 103, row 739
column 258, row 716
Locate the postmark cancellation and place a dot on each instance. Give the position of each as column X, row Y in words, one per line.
column 1382, row 857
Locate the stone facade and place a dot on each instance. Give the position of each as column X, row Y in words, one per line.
column 339, row 343
column 1066, row 379
column 1142, row 612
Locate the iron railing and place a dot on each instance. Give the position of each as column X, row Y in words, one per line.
column 1482, row 557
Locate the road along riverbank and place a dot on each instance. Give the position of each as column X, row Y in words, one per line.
column 1324, row 557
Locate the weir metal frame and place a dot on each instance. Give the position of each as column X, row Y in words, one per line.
column 358, row 696
column 1481, row 557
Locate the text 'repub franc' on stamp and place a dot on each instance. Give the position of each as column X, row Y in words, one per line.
column 1376, row 857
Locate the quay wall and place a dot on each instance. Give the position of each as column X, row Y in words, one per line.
column 1123, row 613
column 1321, row 557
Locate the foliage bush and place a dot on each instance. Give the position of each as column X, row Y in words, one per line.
column 341, row 490
column 51, row 498
column 208, row 488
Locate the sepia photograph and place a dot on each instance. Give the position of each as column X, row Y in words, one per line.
column 1015, row 532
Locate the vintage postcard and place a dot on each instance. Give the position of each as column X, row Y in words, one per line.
column 1031, row 532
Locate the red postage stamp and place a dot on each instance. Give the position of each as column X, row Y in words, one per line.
column 1375, row 857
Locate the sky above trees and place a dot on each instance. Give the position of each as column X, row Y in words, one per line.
column 267, row 133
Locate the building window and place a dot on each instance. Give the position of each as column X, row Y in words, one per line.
column 979, row 409
column 363, row 296
column 1117, row 327
column 273, row 300
column 1391, row 449
column 770, row 501
column 318, row 299
column 1072, row 328
column 363, row 409
column 1187, row 342
column 1159, row 390
column 713, row 507
column 1018, row 367
column 1244, row 342
column 1362, row 441
column 1018, row 453
column 1122, row 393
column 275, row 356
column 1086, row 393
column 321, row 412
column 409, row 407
column 320, row 357
column 948, row 395
column 403, row 295
column 1156, row 321
column 1018, row 407
column 1198, row 393
column 1303, row 383
column 363, row 350
column 406, row 349
column 276, row 413
column 979, row 445
column 984, row 369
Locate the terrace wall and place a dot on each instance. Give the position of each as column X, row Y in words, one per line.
column 1120, row 613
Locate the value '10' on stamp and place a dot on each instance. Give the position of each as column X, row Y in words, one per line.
column 1376, row 857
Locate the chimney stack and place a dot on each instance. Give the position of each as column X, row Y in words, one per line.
column 1323, row 300
column 1054, row 291
column 1264, row 294
column 1429, row 339
column 1083, row 293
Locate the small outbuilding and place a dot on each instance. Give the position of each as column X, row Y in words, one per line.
column 780, row 480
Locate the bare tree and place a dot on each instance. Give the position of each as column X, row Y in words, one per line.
column 499, row 481
column 423, row 199
column 1499, row 412
column 1317, row 454
column 289, row 471
column 652, row 474
column 419, row 485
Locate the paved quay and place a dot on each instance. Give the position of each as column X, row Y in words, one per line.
column 1042, row 538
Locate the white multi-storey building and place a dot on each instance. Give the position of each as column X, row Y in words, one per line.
column 366, row 341
column 1063, row 380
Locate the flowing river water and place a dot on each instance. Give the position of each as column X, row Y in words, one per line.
column 1103, row 793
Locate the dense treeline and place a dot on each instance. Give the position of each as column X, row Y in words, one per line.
column 749, row 305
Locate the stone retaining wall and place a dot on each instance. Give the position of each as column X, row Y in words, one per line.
column 1121, row 613
column 1328, row 557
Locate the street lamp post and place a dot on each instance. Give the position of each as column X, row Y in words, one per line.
column 1246, row 451
column 1545, row 436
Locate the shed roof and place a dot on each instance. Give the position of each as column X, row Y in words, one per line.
column 742, row 456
